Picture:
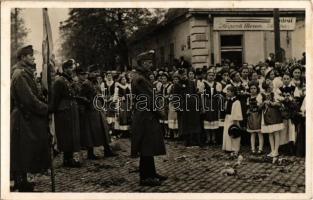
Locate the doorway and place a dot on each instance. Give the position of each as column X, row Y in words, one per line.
column 231, row 49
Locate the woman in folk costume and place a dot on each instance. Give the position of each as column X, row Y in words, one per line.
column 158, row 83
column 241, row 93
column 233, row 117
column 165, row 98
column 211, row 98
column 276, row 80
column 189, row 123
column 192, row 76
column 254, row 103
column 109, row 86
column 298, row 82
column 122, row 97
column 245, row 77
column 225, row 81
column 300, row 142
column 286, row 97
column 172, row 113
column 299, row 118
column 272, row 122
column 200, row 79
column 96, row 131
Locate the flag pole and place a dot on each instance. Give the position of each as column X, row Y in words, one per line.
column 49, row 93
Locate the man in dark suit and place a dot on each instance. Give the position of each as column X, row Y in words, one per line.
column 30, row 152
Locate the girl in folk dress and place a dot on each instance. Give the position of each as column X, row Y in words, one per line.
column 122, row 97
column 108, row 91
column 211, row 99
column 172, row 114
column 272, row 122
column 254, row 116
column 233, row 116
column 286, row 96
column 165, row 96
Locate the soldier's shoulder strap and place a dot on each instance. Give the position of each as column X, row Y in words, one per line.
column 18, row 72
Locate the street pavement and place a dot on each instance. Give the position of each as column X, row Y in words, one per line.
column 193, row 170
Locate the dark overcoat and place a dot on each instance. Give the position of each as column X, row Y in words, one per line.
column 94, row 120
column 66, row 114
column 188, row 114
column 30, row 150
column 147, row 132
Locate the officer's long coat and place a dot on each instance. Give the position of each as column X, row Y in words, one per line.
column 66, row 115
column 147, row 133
column 30, row 150
column 94, row 119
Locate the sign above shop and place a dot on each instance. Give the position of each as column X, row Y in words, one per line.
column 253, row 23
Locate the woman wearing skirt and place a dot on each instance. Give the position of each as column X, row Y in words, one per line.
column 122, row 97
column 172, row 114
column 233, row 116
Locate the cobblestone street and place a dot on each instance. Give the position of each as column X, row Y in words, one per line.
column 189, row 170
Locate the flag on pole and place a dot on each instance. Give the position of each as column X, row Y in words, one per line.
column 47, row 50
column 48, row 65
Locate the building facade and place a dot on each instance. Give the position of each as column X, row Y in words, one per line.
column 208, row 36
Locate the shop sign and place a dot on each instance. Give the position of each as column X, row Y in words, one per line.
column 253, row 23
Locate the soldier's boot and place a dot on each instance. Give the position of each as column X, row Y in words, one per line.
column 108, row 152
column 21, row 184
column 69, row 161
column 91, row 155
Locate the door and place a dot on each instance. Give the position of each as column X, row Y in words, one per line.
column 231, row 48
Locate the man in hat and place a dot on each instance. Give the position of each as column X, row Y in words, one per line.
column 66, row 115
column 147, row 133
column 30, row 152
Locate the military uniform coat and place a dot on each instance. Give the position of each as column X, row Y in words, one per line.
column 30, row 149
column 96, row 129
column 66, row 114
column 147, row 132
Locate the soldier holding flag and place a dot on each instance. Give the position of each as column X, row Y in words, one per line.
column 30, row 152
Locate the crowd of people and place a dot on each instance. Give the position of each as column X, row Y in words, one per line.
column 224, row 105
column 265, row 100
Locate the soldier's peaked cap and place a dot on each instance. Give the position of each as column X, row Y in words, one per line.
column 26, row 50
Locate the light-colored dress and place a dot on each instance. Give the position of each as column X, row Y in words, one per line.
column 271, row 111
column 172, row 114
column 122, row 95
column 229, row 143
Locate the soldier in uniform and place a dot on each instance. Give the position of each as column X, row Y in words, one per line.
column 65, row 109
column 147, row 133
column 30, row 152
column 96, row 129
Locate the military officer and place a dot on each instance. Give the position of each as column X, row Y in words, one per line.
column 30, row 152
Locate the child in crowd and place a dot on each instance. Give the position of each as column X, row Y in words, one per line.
column 233, row 116
column 272, row 122
column 254, row 102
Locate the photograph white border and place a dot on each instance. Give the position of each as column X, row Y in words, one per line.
column 5, row 97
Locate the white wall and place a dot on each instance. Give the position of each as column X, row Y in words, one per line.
column 253, row 45
column 298, row 40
